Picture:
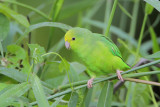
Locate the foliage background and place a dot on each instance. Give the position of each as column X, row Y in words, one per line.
column 38, row 73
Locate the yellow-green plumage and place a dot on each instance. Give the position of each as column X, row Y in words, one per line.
column 100, row 55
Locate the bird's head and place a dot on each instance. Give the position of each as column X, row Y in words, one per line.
column 75, row 37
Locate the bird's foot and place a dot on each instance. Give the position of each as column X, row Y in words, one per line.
column 119, row 75
column 89, row 83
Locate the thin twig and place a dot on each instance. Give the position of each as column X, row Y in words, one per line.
column 142, row 81
column 98, row 81
column 144, row 61
column 29, row 37
column 141, row 62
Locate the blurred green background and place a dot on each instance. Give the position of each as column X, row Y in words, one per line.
column 90, row 14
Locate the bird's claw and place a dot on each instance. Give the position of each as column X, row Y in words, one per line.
column 89, row 83
column 119, row 75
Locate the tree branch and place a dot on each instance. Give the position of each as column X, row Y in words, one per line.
column 141, row 62
column 101, row 80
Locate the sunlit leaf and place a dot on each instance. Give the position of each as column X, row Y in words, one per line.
column 37, row 51
column 148, row 9
column 154, row 3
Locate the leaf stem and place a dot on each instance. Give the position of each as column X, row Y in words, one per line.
column 107, row 14
column 111, row 17
column 64, row 64
column 141, row 35
column 152, row 93
column 134, row 19
column 1, row 48
column 54, row 13
column 142, row 81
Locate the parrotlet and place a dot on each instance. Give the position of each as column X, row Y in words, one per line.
column 96, row 51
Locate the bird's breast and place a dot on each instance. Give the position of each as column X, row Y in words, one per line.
column 96, row 57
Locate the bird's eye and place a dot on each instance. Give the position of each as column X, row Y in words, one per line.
column 73, row 38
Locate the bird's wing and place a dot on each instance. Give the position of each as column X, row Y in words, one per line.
column 110, row 44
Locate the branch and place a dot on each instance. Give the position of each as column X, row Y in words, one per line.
column 144, row 61
column 142, row 81
column 104, row 79
column 141, row 62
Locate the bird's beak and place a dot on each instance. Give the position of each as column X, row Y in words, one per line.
column 67, row 44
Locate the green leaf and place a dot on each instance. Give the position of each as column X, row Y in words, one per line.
column 125, row 11
column 38, row 91
column 136, row 92
column 155, row 55
column 57, row 101
column 73, row 100
column 17, row 58
column 14, row 15
column 14, row 74
column 7, row 88
column 105, row 98
column 148, row 9
column 43, row 24
column 88, row 96
column 155, row 43
column 56, row 9
column 4, row 28
column 15, row 91
column 146, row 46
column 4, row 87
column 21, row 77
column 73, row 74
column 16, row 51
column 37, row 51
column 49, row 24
column 154, row 3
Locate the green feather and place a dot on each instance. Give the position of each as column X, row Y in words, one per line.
column 100, row 55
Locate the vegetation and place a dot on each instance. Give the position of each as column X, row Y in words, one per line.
column 37, row 70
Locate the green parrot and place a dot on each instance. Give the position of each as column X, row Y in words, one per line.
column 97, row 52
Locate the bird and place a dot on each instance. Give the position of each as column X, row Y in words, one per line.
column 97, row 52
